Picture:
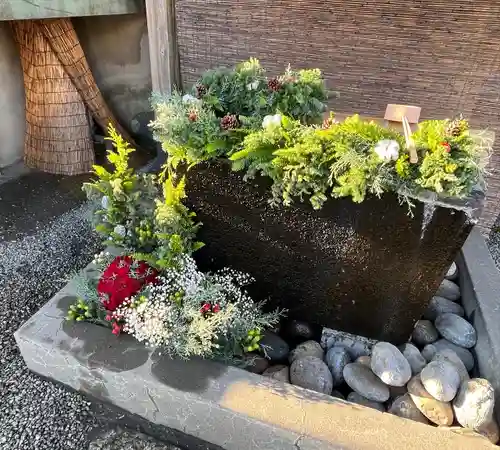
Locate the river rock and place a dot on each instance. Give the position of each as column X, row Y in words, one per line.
column 336, row 359
column 397, row 391
column 389, row 364
column 464, row 354
column 474, row 403
column 279, row 373
column 441, row 379
column 490, row 431
column 449, row 290
column 366, row 360
column 338, row 394
column 404, row 407
column 354, row 397
column 256, row 363
column 452, row 273
column 450, row 356
column 424, row 333
column 436, row 411
column 356, row 345
column 362, row 380
column 428, row 352
column 311, row 373
column 414, row 357
column 441, row 305
column 456, row 330
column 273, row 347
column 308, row 348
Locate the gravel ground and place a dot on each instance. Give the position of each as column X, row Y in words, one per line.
column 493, row 242
column 36, row 414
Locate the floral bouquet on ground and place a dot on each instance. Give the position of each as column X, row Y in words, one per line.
column 149, row 285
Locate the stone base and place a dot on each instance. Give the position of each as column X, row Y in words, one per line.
column 222, row 405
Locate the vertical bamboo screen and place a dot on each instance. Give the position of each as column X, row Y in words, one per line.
column 442, row 55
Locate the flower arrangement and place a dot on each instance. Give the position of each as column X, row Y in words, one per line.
column 228, row 103
column 356, row 158
column 274, row 127
column 152, row 288
column 189, row 313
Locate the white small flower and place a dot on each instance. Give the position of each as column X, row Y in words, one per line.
column 252, row 86
column 105, row 202
column 120, row 230
column 188, row 98
column 387, row 150
column 272, row 121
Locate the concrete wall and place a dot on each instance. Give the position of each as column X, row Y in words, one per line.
column 12, row 119
column 118, row 54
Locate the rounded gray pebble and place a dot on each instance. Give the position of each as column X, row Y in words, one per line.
column 428, row 352
column 414, row 357
column 278, row 373
column 311, row 373
column 464, row 354
column 441, row 379
column 424, row 333
column 308, row 348
column 405, row 407
column 389, row 364
column 441, row 305
column 449, row 355
column 448, row 289
column 362, row 380
column 336, row 359
column 456, row 330
column 366, row 360
column 354, row 397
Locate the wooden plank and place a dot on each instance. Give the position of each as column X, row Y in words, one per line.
column 46, row 9
column 165, row 69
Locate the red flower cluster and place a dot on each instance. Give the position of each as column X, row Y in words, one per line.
column 122, row 279
column 446, row 147
column 209, row 308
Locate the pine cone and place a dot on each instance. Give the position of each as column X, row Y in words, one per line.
column 456, row 126
column 193, row 116
column 274, row 84
column 201, row 90
column 229, row 122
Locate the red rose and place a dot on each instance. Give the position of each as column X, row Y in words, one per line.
column 446, row 147
column 215, row 308
column 122, row 279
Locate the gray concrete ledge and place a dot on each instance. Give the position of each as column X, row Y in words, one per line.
column 479, row 281
column 222, row 405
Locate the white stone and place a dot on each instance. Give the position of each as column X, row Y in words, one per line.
column 389, row 364
column 452, row 273
column 441, row 379
column 474, row 403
